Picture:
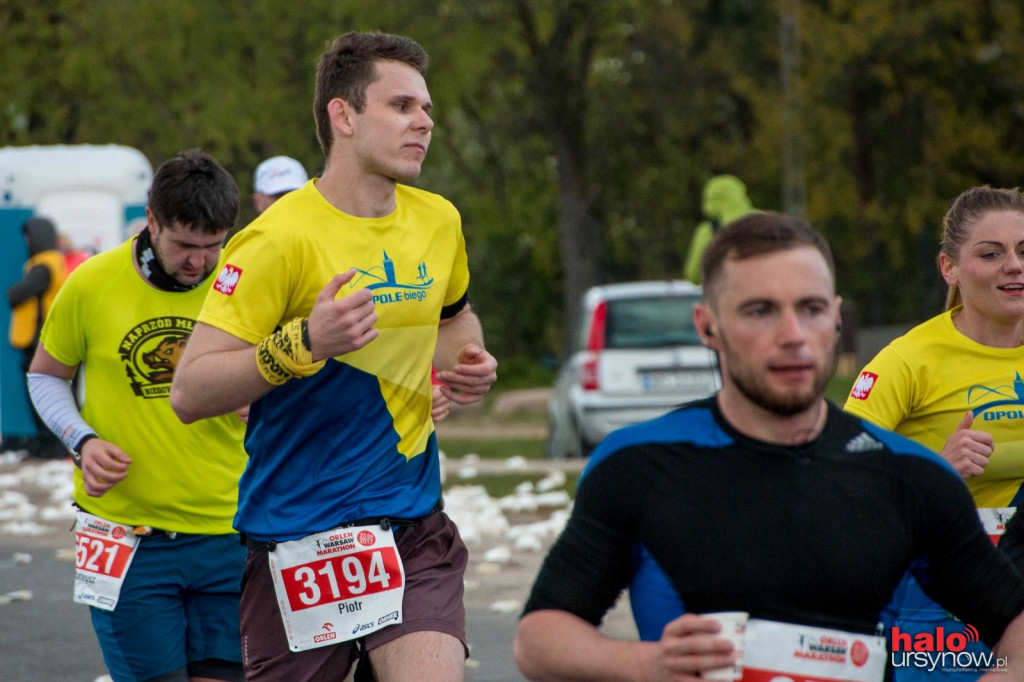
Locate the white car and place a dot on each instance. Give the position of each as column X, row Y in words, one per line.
column 635, row 354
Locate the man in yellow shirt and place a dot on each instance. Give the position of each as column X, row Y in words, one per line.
column 326, row 316
column 158, row 561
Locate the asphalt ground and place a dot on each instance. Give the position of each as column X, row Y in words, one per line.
column 45, row 637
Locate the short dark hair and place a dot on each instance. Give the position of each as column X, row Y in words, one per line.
column 753, row 235
column 195, row 191
column 347, row 68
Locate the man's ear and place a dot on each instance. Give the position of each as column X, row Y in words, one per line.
column 706, row 325
column 151, row 224
column 340, row 114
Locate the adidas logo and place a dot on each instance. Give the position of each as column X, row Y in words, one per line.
column 863, row 443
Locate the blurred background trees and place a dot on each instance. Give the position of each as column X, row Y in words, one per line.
column 575, row 135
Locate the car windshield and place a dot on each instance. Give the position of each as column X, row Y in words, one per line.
column 651, row 322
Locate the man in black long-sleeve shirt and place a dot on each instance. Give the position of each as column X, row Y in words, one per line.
column 764, row 499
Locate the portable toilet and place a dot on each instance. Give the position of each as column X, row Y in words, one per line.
column 96, row 196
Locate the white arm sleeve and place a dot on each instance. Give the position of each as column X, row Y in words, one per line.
column 56, row 405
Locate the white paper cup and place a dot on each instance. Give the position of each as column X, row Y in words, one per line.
column 734, row 628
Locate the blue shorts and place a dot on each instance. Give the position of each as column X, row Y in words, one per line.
column 178, row 609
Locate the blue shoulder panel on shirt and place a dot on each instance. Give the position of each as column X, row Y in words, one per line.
column 694, row 425
column 653, row 598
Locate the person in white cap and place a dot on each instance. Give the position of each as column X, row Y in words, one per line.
column 275, row 177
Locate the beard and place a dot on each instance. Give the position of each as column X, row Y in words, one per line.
column 756, row 388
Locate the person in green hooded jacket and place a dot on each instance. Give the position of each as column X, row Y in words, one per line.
column 724, row 200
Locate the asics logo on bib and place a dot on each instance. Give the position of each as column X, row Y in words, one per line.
column 361, row 627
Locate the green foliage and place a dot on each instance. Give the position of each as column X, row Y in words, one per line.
column 492, row 448
column 522, row 371
column 574, row 136
column 838, row 389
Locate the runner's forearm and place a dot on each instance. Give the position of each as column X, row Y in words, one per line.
column 55, row 403
column 216, row 375
column 454, row 334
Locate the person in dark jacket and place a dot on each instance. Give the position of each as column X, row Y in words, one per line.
column 30, row 299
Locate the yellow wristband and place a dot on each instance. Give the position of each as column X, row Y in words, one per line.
column 284, row 354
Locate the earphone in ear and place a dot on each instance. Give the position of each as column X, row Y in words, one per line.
column 839, row 327
column 708, row 332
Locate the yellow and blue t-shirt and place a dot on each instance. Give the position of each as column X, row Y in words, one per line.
column 355, row 440
column 129, row 337
column 923, row 383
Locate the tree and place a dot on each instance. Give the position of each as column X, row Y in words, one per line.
column 913, row 104
column 574, row 136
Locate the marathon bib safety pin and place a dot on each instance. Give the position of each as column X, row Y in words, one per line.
column 337, row 585
column 103, row 552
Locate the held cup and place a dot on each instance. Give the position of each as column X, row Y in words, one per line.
column 734, row 627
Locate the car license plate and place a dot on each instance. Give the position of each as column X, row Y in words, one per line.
column 677, row 380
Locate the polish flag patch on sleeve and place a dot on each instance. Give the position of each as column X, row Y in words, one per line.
column 865, row 382
column 227, row 280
